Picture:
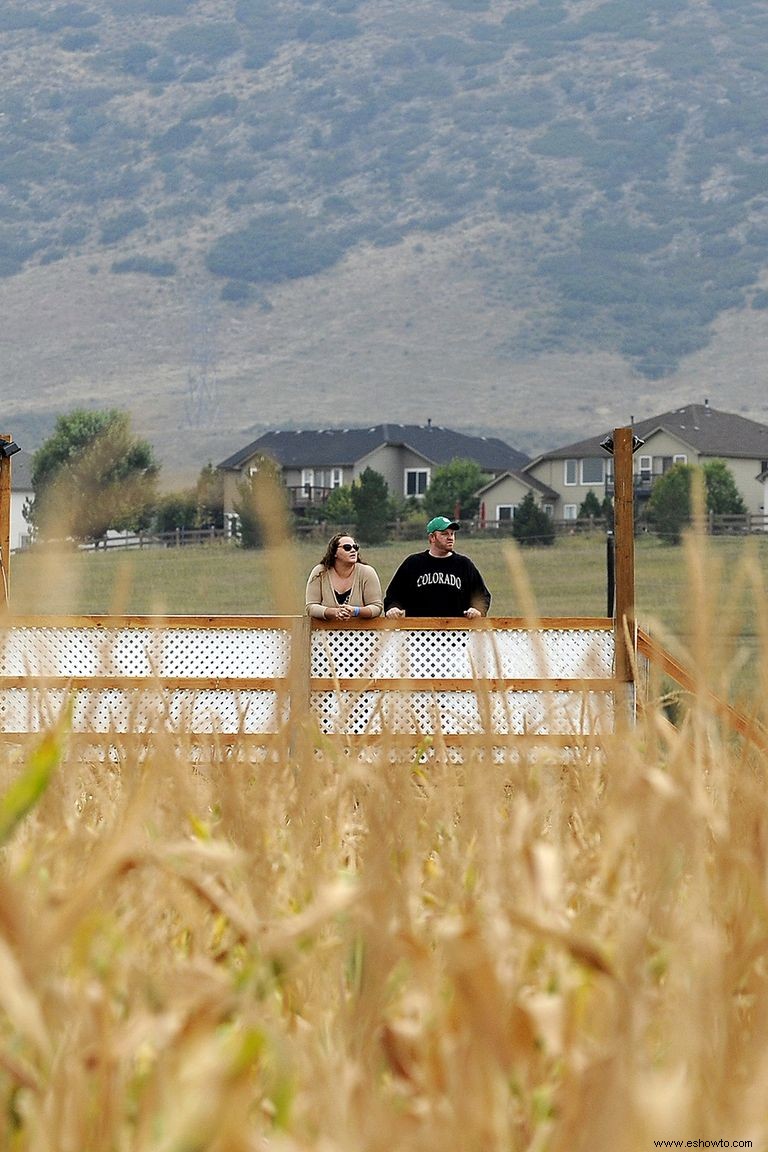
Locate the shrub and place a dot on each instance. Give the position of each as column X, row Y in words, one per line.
column 163, row 70
column 370, row 498
column 135, row 58
column 262, row 501
column 531, row 524
column 79, row 41
column 590, row 507
column 339, row 508
column 86, row 123
column 722, row 495
column 223, row 104
column 17, row 19
column 274, row 247
column 177, row 138
column 669, row 506
column 118, row 227
column 175, row 510
column 213, row 41
column 321, row 29
column 147, row 265
column 461, row 53
column 235, row 291
column 69, row 16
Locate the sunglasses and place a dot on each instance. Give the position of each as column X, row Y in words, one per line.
column 351, row 547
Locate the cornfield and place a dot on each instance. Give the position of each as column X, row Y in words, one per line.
column 312, row 951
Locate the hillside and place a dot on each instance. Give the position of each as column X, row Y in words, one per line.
column 517, row 218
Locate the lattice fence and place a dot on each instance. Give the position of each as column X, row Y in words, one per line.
column 253, row 677
column 464, row 681
column 139, row 676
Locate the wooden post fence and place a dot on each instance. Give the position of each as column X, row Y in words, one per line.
column 624, row 525
column 5, row 525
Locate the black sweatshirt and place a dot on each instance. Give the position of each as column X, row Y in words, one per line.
column 427, row 585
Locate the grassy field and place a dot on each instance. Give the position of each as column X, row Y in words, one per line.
column 317, row 952
column 569, row 579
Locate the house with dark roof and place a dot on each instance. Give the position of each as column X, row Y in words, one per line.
column 500, row 497
column 22, row 492
column 315, row 462
column 693, row 434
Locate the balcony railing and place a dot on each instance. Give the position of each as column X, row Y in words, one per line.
column 308, row 495
column 642, row 483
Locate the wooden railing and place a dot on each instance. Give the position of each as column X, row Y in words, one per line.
column 259, row 679
column 657, row 655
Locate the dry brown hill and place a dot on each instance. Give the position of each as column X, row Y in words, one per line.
column 528, row 219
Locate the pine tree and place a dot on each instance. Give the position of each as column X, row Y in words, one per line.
column 370, row 498
column 531, row 524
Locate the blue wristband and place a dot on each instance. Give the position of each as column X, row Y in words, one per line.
column 356, row 612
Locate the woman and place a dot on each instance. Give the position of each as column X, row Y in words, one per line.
column 341, row 587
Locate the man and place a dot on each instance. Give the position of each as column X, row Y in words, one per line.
column 438, row 582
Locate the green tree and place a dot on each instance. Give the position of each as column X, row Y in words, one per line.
column 209, row 498
column 669, row 505
column 370, row 498
column 93, row 474
column 531, row 524
column 176, row 510
column 722, row 495
column 262, row 504
column 590, row 507
column 452, row 490
column 339, row 508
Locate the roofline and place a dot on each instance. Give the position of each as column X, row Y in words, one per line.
column 532, row 482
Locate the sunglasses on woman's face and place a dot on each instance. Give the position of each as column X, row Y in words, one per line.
column 351, row 547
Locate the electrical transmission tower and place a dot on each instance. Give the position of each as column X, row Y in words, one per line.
column 202, row 399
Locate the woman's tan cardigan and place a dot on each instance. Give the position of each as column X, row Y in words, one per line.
column 365, row 591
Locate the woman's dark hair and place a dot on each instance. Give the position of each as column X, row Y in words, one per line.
column 332, row 549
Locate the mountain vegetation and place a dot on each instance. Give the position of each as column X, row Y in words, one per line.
column 606, row 160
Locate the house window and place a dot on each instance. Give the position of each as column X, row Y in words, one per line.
column 307, row 480
column 593, row 470
column 416, row 481
column 570, row 511
column 645, row 464
column 680, row 458
column 571, row 471
column 505, row 512
column 549, row 509
column 337, row 478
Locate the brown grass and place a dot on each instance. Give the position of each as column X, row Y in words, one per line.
column 320, row 952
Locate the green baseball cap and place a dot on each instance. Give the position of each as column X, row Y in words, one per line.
column 440, row 523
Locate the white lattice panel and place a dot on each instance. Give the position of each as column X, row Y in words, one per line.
column 150, row 652
column 459, row 654
column 142, row 710
column 209, row 654
column 464, row 713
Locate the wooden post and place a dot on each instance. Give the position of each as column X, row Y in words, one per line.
column 624, row 527
column 5, row 526
column 299, row 709
column 610, row 571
